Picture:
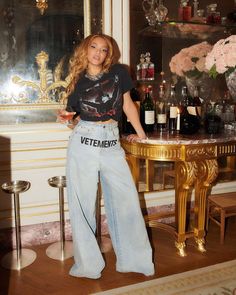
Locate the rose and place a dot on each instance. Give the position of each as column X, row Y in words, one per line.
column 190, row 61
column 222, row 58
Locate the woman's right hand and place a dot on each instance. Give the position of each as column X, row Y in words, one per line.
column 65, row 117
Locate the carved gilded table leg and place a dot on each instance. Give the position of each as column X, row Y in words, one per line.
column 207, row 171
column 134, row 165
column 185, row 176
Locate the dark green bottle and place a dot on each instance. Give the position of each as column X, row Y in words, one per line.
column 189, row 121
column 147, row 112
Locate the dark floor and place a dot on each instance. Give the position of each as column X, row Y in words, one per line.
column 48, row 276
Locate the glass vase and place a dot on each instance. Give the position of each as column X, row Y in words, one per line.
column 212, row 121
column 204, row 84
column 230, row 79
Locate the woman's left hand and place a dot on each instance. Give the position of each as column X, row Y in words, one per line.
column 134, row 137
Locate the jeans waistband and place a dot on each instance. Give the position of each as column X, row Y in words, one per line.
column 98, row 125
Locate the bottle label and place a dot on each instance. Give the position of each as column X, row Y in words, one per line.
column 149, row 117
column 161, row 118
column 173, row 112
column 192, row 111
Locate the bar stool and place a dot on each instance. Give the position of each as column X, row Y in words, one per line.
column 19, row 258
column 221, row 206
column 64, row 249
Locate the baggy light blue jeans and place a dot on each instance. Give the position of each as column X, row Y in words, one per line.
column 95, row 148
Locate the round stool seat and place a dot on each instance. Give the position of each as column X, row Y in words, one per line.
column 16, row 187
column 19, row 258
column 57, row 181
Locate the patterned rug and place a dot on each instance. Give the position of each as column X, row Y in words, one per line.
column 218, row 279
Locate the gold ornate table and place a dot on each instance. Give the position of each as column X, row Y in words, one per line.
column 196, row 167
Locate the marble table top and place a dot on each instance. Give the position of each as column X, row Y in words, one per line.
column 198, row 138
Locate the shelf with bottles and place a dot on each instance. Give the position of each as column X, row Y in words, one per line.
column 188, row 29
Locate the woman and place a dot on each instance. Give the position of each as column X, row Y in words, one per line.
column 98, row 91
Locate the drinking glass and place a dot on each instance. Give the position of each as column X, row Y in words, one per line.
column 65, row 115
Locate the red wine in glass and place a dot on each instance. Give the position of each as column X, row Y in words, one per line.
column 66, row 115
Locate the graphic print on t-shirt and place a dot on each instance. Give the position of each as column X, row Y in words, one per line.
column 102, row 99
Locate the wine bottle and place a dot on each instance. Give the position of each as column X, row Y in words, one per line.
column 187, row 100
column 189, row 122
column 147, row 112
column 172, row 105
column 197, row 102
column 161, row 110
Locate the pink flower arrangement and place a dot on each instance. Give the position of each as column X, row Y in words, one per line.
column 190, row 61
column 222, row 58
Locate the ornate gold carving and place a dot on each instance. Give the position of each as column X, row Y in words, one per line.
column 42, row 87
column 42, row 5
column 197, row 152
column 181, row 248
column 195, row 165
column 200, row 244
column 207, row 171
column 153, row 152
column 227, row 149
column 185, row 176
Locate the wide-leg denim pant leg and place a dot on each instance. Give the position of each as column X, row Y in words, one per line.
column 93, row 148
column 125, row 220
column 82, row 180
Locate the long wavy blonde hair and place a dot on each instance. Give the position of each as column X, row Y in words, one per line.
column 79, row 61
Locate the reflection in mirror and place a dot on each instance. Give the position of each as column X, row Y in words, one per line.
column 36, row 47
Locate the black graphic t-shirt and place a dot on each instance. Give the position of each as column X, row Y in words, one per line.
column 101, row 100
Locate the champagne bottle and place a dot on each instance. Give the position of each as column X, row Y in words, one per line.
column 172, row 103
column 147, row 112
column 161, row 110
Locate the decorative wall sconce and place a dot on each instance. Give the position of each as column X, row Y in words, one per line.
column 42, row 5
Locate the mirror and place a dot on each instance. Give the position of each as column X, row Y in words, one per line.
column 37, row 39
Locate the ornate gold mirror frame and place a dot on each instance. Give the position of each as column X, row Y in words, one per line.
column 36, row 100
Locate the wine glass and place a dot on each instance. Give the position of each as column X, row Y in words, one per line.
column 65, row 115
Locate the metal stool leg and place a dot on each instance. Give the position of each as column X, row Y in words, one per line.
column 19, row 258
column 63, row 249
